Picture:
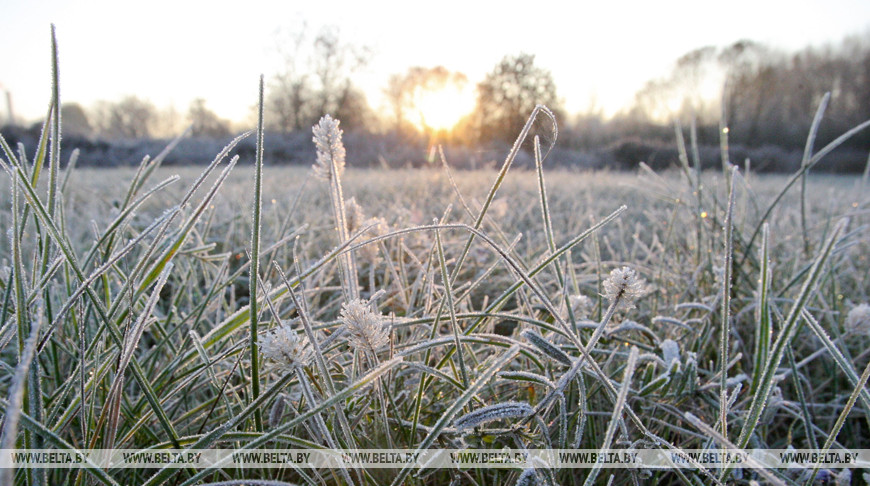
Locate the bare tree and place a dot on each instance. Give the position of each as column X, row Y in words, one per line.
column 334, row 63
column 131, row 117
column 316, row 80
column 771, row 96
column 288, row 103
column 75, row 120
column 509, row 93
column 204, row 122
column 353, row 109
column 170, row 123
column 289, row 97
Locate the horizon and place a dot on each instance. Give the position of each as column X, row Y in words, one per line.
column 181, row 61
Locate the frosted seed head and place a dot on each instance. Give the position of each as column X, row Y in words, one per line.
column 355, row 215
column 670, row 352
column 330, row 149
column 858, row 319
column 379, row 226
column 844, row 477
column 357, row 221
column 581, row 305
column 365, row 329
column 528, row 478
column 774, row 402
column 623, row 286
column 286, row 348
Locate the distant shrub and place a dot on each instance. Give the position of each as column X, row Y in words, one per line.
column 389, row 150
column 625, row 154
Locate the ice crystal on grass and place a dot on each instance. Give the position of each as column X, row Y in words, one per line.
column 505, row 410
column 330, row 150
column 286, row 348
column 365, row 329
column 546, row 347
column 623, row 286
column 277, row 411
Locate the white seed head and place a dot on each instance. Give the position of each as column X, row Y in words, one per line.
column 357, row 221
column 355, row 215
column 375, row 227
column 670, row 352
column 528, row 477
column 858, row 320
column 286, row 348
column 365, row 328
column 844, row 477
column 581, row 305
column 623, row 286
column 327, row 140
column 379, row 226
column 775, row 400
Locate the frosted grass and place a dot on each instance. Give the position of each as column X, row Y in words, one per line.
column 548, row 310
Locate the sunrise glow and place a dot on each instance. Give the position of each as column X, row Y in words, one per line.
column 442, row 108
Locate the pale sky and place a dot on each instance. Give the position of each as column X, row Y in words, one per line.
column 170, row 52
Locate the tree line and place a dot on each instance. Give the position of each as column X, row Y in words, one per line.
column 768, row 100
column 768, row 96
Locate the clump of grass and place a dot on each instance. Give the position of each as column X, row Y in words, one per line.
column 547, row 312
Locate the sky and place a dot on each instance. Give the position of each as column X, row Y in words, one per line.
column 171, row 52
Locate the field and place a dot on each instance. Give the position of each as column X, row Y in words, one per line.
column 427, row 309
column 245, row 307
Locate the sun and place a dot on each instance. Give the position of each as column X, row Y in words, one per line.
column 442, row 108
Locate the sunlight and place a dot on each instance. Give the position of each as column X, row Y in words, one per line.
column 441, row 109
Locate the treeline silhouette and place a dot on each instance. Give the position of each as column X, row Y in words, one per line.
column 766, row 97
column 770, row 100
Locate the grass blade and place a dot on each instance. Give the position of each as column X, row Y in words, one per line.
column 457, row 405
column 255, row 262
column 617, row 412
column 787, row 332
column 724, row 336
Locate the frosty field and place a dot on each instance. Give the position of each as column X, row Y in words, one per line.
column 254, row 308
column 528, row 312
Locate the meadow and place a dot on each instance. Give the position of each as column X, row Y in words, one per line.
column 251, row 306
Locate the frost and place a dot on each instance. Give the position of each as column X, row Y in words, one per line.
column 623, row 286
column 546, row 346
column 365, row 329
column 330, row 149
column 506, row 410
column 858, row 320
column 286, row 348
column 670, row 352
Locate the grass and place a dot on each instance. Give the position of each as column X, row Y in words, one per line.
column 133, row 303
